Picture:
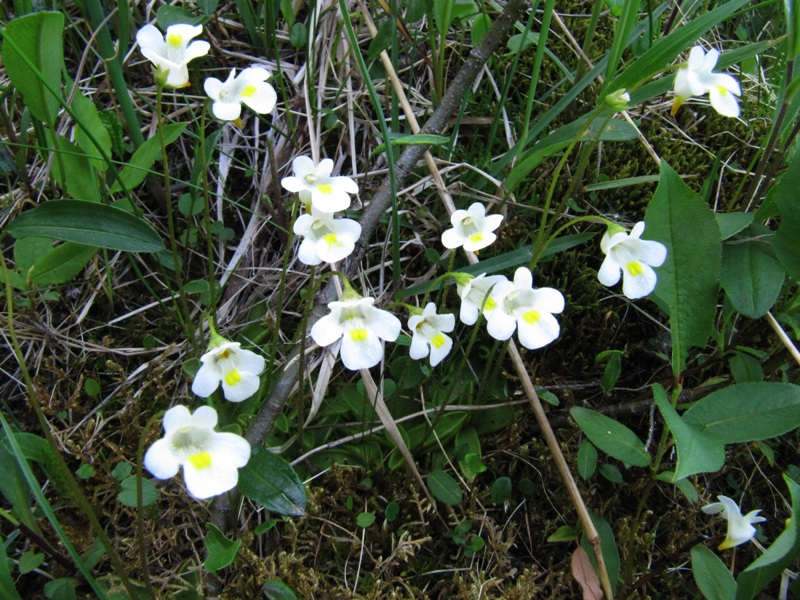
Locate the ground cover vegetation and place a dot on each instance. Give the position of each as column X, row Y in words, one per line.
column 406, row 299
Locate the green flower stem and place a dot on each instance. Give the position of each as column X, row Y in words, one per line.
column 212, row 279
column 184, row 305
column 144, row 571
column 75, row 492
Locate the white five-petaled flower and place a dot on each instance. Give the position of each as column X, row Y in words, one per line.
column 361, row 327
column 475, row 295
column 210, row 459
column 249, row 87
column 172, row 52
column 530, row 311
column 428, row 332
column 697, row 78
column 225, row 362
column 740, row 528
column 632, row 257
column 328, row 193
column 471, row 228
column 325, row 238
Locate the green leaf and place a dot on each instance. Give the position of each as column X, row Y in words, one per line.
column 781, row 554
column 89, row 120
column 445, row 488
column 39, row 37
column 689, row 278
column 128, row 494
column 501, row 490
column 29, row 561
column 468, row 453
column 221, row 551
column 167, row 15
column 711, row 575
column 745, row 412
column 90, row 224
column 684, row 485
column 752, row 276
column 611, row 372
column 608, row 547
column 61, row 264
column 78, row 176
column 786, row 241
column 417, row 139
column 480, row 25
column 565, row 533
column 15, row 490
column 610, row 472
column 275, row 589
column 365, row 519
column 610, row 436
column 732, row 223
column 142, row 160
column 698, row 452
column 7, row 587
column 61, row 589
column 272, row 482
column 587, row 459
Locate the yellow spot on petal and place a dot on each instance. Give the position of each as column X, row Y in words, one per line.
column 331, row 239
column 532, row 316
column 233, row 377
column 225, row 353
column 635, row 268
column 201, row 460
column 438, row 340
column 358, row 335
column 490, row 304
column 478, row 237
column 325, row 188
column 175, row 40
column 722, row 90
column 249, row 91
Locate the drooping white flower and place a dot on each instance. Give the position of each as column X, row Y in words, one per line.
column 172, row 52
column 471, row 229
column 697, row 78
column 210, row 459
column 475, row 295
column 325, row 238
column 361, row 327
column 530, row 311
column 740, row 528
column 428, row 334
column 631, row 257
column 226, row 363
column 249, row 87
column 328, row 193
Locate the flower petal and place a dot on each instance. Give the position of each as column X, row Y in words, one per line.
column 161, row 461
column 206, row 380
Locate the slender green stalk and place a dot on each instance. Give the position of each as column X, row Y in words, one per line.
column 212, row 278
column 184, row 305
column 588, row 38
column 144, row 571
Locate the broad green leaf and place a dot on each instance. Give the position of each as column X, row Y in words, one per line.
column 39, row 38
column 417, row 139
column 445, row 488
column 221, row 551
column 275, row 589
column 608, row 547
column 142, row 160
column 565, row 533
column 786, row 241
column 90, row 224
column 272, row 482
column 610, row 436
column 698, row 452
column 480, row 25
column 689, row 278
column 29, row 561
column 365, row 519
column 468, row 453
column 745, row 412
column 665, row 49
column 167, row 15
column 61, row 263
column 14, row 488
column 781, row 554
column 711, row 575
column 128, row 494
column 29, row 250
column 732, row 223
column 78, row 176
column 587, row 459
column 501, row 490
column 684, row 485
column 89, row 120
column 61, row 589
column 751, row 275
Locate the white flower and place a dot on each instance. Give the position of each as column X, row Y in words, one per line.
column 362, row 327
column 325, row 238
column 428, row 331
column 633, row 258
column 171, row 53
column 474, row 294
column 226, row 363
column 471, row 228
column 519, row 306
column 740, row 528
column 328, row 194
column 210, row 459
column 697, row 79
column 250, row 87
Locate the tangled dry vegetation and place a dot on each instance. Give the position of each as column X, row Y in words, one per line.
column 115, row 325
